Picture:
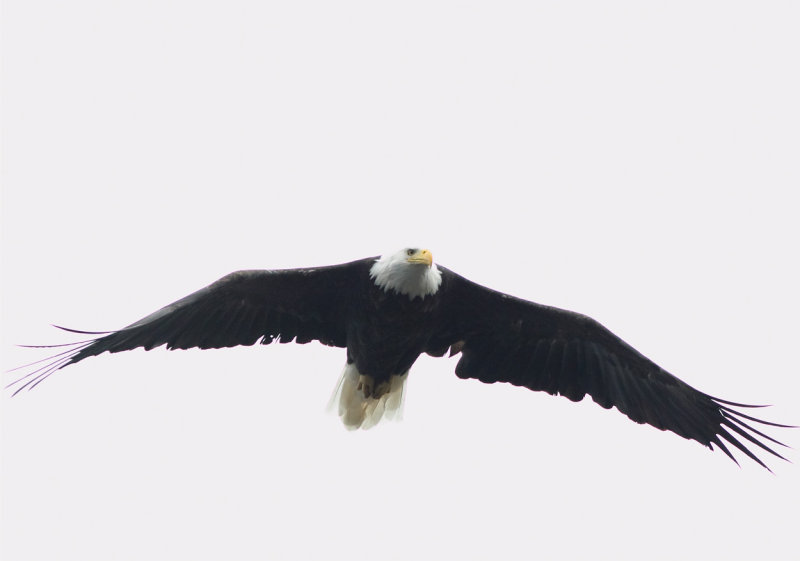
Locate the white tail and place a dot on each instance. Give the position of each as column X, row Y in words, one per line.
column 362, row 412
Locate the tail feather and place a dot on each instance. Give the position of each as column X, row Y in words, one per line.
column 357, row 411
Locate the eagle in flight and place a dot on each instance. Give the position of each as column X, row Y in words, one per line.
column 387, row 311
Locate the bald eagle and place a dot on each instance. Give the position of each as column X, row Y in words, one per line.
column 387, row 311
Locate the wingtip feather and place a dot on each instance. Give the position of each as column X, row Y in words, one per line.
column 70, row 330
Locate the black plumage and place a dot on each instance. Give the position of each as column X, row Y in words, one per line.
column 501, row 339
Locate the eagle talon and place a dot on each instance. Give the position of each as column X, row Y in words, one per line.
column 381, row 389
column 365, row 385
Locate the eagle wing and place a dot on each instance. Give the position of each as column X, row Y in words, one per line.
column 505, row 339
column 241, row 308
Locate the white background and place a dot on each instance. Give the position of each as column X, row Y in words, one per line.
column 635, row 161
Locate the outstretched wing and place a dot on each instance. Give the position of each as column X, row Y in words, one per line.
column 505, row 339
column 241, row 308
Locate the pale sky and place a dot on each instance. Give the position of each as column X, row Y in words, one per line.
column 634, row 161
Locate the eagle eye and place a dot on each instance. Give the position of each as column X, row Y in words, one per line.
column 410, row 252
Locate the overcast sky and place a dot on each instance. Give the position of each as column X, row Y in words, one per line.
column 635, row 161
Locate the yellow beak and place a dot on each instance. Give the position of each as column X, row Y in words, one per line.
column 422, row 257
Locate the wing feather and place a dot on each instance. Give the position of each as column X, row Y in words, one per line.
column 506, row 339
column 241, row 308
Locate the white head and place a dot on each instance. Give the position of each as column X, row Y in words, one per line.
column 410, row 271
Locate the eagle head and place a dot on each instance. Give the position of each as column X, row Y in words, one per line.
column 410, row 271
